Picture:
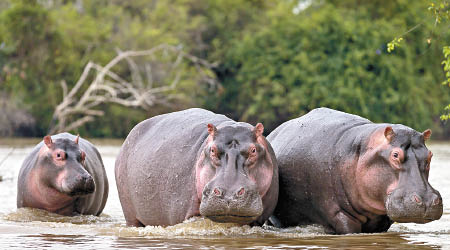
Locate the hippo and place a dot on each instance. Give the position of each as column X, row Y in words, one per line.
column 64, row 174
column 351, row 175
column 196, row 163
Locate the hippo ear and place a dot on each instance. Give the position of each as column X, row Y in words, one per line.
column 76, row 139
column 48, row 141
column 426, row 134
column 389, row 133
column 212, row 130
column 258, row 130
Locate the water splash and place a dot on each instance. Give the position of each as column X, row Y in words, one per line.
column 198, row 226
column 34, row 215
column 193, row 227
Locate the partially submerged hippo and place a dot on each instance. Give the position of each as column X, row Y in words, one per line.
column 352, row 175
column 64, row 174
column 194, row 162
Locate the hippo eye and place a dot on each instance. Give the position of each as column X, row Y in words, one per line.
column 60, row 155
column 253, row 150
column 396, row 155
column 214, row 153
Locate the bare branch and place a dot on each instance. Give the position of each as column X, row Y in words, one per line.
column 148, row 73
column 79, row 123
column 135, row 75
column 80, row 105
column 7, row 155
column 64, row 88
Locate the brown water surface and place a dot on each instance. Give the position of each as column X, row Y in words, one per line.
column 33, row 228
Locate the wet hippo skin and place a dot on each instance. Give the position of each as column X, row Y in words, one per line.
column 194, row 162
column 63, row 174
column 351, row 175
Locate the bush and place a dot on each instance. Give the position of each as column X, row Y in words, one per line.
column 334, row 55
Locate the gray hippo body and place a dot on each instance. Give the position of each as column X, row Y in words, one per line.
column 351, row 175
column 63, row 174
column 194, row 162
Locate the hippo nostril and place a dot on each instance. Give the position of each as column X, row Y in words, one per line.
column 84, row 177
column 89, row 183
column 217, row 192
column 437, row 201
column 417, row 199
column 241, row 192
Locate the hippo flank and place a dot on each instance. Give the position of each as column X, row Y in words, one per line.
column 63, row 174
column 352, row 175
column 194, row 162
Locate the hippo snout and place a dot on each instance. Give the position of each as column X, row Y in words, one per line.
column 89, row 185
column 81, row 185
column 413, row 207
column 241, row 205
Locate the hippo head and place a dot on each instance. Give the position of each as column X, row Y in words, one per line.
column 234, row 173
column 395, row 176
column 61, row 166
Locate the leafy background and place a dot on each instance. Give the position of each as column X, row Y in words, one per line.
column 276, row 60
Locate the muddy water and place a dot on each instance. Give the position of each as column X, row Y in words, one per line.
column 31, row 228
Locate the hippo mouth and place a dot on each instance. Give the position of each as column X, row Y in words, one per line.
column 232, row 218
column 417, row 220
column 80, row 193
column 404, row 211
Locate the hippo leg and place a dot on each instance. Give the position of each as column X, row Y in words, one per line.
column 127, row 205
column 129, row 212
column 378, row 225
column 274, row 221
column 345, row 224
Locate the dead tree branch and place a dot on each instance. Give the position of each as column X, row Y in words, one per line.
column 6, row 156
column 82, row 103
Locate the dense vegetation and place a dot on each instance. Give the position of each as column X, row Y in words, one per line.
column 276, row 60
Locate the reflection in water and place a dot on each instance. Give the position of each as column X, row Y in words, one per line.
column 34, row 228
column 378, row 241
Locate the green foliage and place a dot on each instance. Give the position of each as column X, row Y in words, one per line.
column 441, row 13
column 330, row 55
column 446, row 63
column 31, row 44
column 42, row 44
column 447, row 115
column 394, row 43
column 274, row 65
column 440, row 10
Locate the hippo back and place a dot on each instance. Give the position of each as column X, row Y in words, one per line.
column 319, row 130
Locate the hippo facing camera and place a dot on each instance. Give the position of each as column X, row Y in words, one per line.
column 64, row 174
column 351, row 175
column 196, row 163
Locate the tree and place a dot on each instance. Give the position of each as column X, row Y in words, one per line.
column 441, row 12
column 333, row 54
column 80, row 105
column 440, row 9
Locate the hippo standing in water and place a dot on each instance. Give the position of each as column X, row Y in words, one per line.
column 64, row 174
column 194, row 162
column 352, row 175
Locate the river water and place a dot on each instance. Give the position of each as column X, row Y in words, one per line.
column 32, row 228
